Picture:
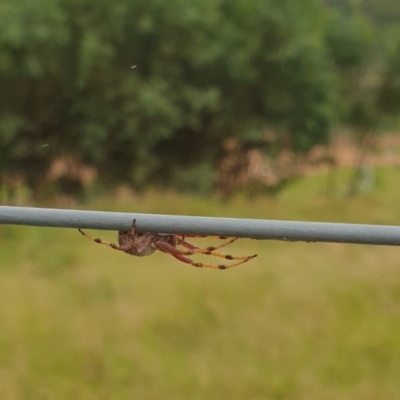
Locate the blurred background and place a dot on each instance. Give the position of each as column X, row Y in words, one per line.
column 282, row 109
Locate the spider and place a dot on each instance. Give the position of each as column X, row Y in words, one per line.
column 145, row 243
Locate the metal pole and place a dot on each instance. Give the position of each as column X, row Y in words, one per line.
column 250, row 228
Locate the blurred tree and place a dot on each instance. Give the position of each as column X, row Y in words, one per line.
column 232, row 69
column 31, row 36
column 384, row 13
column 350, row 43
column 205, row 71
column 389, row 95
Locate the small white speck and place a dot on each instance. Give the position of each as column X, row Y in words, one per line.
column 133, row 66
column 45, row 145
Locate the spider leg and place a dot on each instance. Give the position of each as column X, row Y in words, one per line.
column 184, row 259
column 208, row 249
column 211, row 251
column 103, row 242
column 180, row 255
column 206, row 236
column 227, row 266
column 133, row 228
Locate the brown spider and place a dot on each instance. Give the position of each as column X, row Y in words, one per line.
column 145, row 243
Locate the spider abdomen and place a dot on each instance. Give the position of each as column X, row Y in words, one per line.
column 141, row 253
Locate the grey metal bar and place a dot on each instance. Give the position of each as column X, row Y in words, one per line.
column 250, row 228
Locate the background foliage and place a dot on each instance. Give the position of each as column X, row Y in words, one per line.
column 206, row 71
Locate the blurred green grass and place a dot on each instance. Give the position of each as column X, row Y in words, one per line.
column 302, row 321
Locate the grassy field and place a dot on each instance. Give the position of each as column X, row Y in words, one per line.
column 301, row 321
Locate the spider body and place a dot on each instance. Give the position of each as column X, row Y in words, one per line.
column 143, row 244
